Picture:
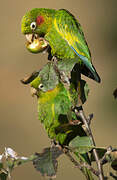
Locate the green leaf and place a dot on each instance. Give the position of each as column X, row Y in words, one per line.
column 49, row 77
column 46, row 162
column 67, row 65
column 81, row 144
column 3, row 176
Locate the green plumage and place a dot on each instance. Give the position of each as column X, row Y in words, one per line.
column 54, row 109
column 55, row 103
column 64, row 34
column 58, row 86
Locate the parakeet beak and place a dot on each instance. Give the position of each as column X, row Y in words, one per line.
column 35, row 44
column 30, row 37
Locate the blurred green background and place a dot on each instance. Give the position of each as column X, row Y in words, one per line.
column 19, row 125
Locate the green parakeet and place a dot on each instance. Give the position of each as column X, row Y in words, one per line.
column 61, row 31
column 56, row 101
column 55, row 107
column 55, row 104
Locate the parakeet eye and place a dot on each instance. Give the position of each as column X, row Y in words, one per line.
column 40, row 86
column 33, row 25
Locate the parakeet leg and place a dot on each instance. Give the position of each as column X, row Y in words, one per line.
column 64, row 78
column 53, row 143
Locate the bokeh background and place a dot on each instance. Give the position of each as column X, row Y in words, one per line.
column 19, row 127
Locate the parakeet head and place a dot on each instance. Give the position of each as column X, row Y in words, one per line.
column 38, row 86
column 34, row 25
column 43, row 92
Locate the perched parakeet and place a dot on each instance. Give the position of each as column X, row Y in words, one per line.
column 61, row 31
column 56, row 102
column 55, row 108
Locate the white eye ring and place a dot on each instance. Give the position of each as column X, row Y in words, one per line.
column 33, row 25
column 40, row 86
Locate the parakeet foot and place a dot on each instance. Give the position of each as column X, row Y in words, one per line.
column 53, row 143
column 75, row 122
column 64, row 78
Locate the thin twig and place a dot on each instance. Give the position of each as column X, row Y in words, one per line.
column 81, row 166
column 80, row 113
column 103, row 160
column 89, row 118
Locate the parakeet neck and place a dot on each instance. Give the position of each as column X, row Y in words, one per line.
column 46, row 97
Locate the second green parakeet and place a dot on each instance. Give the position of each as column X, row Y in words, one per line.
column 55, row 108
column 56, row 103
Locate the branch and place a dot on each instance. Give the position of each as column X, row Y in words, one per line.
column 81, row 166
column 79, row 112
column 104, row 160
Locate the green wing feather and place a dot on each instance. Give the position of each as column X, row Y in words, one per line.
column 71, row 31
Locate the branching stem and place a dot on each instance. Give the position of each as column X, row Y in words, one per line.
column 81, row 166
column 80, row 113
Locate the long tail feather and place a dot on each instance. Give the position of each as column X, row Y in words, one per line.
column 89, row 65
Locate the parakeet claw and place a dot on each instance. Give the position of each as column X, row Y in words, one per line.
column 53, row 143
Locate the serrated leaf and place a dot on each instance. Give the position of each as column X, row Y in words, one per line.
column 67, row 65
column 49, row 76
column 46, row 162
column 71, row 69
column 81, row 144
